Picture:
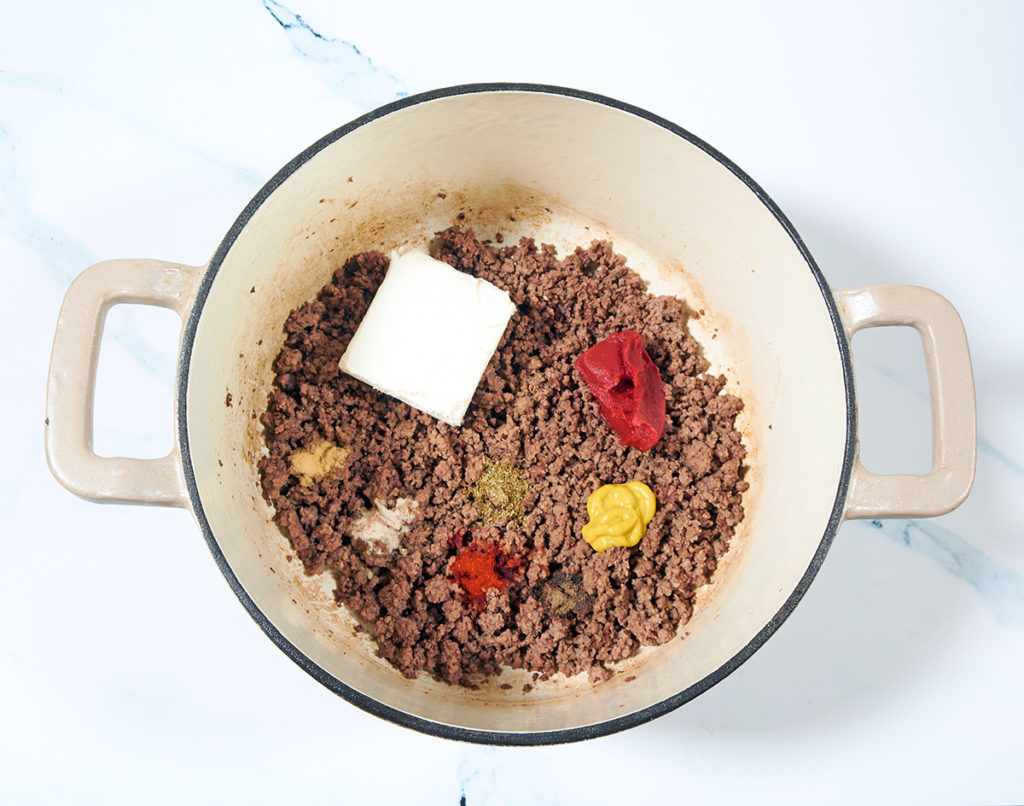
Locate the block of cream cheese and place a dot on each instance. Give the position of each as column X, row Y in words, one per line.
column 428, row 335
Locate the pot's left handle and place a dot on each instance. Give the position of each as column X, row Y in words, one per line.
column 72, row 378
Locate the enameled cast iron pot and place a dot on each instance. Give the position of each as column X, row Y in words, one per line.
column 564, row 167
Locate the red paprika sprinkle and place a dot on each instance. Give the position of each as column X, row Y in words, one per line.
column 480, row 568
column 630, row 396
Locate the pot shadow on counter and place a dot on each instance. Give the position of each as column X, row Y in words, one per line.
column 892, row 598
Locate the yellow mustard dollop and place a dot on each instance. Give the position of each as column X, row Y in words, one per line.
column 619, row 514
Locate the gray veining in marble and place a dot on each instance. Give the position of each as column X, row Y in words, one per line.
column 1000, row 587
column 339, row 64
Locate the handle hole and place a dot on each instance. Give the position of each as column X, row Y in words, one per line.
column 893, row 403
column 134, row 400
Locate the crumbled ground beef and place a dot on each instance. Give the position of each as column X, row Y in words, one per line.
column 568, row 609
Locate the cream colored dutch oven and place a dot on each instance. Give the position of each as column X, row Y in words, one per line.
column 564, row 167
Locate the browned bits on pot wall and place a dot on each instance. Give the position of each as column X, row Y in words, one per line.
column 567, row 608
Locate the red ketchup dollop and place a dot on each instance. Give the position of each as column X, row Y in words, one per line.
column 627, row 386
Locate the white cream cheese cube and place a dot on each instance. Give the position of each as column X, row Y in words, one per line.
column 428, row 335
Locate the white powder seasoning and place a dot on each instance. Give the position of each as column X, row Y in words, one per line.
column 385, row 526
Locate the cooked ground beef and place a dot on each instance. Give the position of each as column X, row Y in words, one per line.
column 567, row 608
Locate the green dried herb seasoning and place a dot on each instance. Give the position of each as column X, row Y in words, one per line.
column 499, row 492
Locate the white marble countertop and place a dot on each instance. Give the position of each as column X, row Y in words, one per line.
column 889, row 134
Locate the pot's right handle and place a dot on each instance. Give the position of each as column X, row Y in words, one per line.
column 72, row 377
column 954, row 419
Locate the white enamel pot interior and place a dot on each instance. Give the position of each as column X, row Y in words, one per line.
column 563, row 167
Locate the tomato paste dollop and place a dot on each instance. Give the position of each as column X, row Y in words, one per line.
column 630, row 396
